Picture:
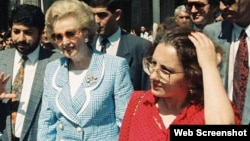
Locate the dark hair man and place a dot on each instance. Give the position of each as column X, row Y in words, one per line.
column 120, row 43
column 21, row 91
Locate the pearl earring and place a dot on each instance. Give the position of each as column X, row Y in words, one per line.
column 86, row 40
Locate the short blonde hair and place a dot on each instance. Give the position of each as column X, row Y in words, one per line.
column 74, row 8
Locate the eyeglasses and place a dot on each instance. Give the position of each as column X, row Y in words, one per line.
column 197, row 5
column 72, row 34
column 228, row 2
column 149, row 67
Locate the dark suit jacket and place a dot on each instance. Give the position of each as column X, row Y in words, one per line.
column 133, row 49
column 221, row 34
column 29, row 132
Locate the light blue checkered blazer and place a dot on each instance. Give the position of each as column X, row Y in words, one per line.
column 96, row 111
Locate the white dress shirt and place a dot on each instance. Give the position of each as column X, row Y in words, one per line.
column 233, row 50
column 112, row 46
column 145, row 35
column 75, row 80
column 29, row 73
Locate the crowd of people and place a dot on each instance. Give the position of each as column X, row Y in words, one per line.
column 5, row 40
column 73, row 73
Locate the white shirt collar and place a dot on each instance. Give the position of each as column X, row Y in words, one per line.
column 33, row 56
column 237, row 31
column 113, row 38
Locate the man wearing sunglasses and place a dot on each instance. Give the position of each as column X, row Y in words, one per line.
column 107, row 14
column 202, row 12
column 227, row 34
column 21, row 123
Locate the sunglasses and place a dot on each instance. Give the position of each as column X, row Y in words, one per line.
column 72, row 34
column 197, row 5
column 228, row 2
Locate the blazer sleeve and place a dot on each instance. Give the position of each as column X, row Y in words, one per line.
column 47, row 120
column 122, row 90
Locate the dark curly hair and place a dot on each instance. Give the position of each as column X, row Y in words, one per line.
column 28, row 15
column 186, row 52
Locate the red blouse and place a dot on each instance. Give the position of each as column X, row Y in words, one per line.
column 142, row 121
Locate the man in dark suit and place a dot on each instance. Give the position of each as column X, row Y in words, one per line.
column 226, row 34
column 201, row 12
column 120, row 43
column 27, row 24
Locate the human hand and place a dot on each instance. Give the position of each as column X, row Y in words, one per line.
column 205, row 50
column 3, row 82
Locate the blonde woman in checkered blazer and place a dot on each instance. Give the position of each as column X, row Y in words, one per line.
column 86, row 92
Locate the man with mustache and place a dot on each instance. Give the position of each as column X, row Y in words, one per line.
column 27, row 24
column 227, row 34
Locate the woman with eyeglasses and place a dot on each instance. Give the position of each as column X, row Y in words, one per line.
column 86, row 92
column 186, row 88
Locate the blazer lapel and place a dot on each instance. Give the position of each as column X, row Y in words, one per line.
column 225, row 38
column 123, row 48
column 36, row 92
column 92, row 80
column 246, row 111
column 64, row 104
column 95, row 72
column 9, row 70
column 9, row 67
column 226, row 30
column 63, row 98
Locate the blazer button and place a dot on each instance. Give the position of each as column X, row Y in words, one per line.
column 60, row 126
column 79, row 129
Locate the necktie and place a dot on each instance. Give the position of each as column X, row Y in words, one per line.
column 103, row 45
column 17, row 89
column 240, row 73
